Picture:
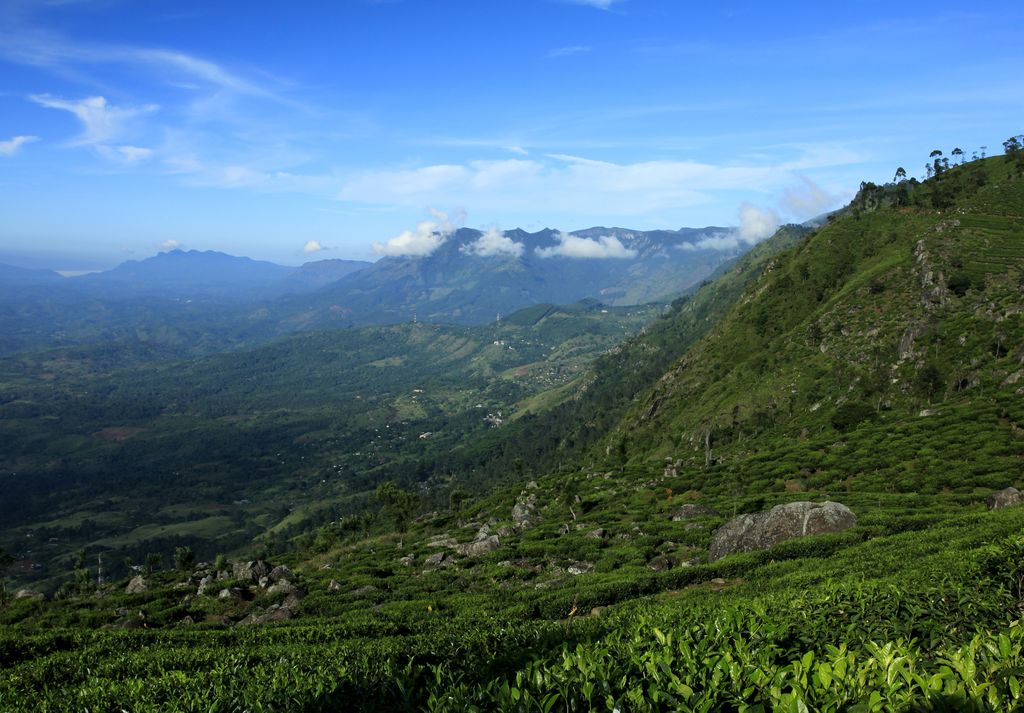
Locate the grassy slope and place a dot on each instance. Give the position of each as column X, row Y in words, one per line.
column 913, row 609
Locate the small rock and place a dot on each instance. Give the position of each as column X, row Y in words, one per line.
column 136, row 585
column 334, row 586
column 597, row 534
column 282, row 587
column 363, row 591
column 662, row 563
column 506, row 531
column 564, row 529
column 280, row 572
column 231, row 593
column 692, row 510
column 578, row 568
column 407, row 560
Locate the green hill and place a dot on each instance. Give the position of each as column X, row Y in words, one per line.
column 876, row 362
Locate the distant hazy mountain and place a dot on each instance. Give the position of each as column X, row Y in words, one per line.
column 313, row 275
column 182, row 272
column 16, row 276
column 472, row 277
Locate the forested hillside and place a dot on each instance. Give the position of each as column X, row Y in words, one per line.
column 797, row 490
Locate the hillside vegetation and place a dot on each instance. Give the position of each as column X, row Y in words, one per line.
column 876, row 362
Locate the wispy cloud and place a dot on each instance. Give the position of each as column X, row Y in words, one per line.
column 601, row 248
column 101, row 122
column 567, row 51
column 11, row 146
column 807, row 199
column 493, row 243
column 602, row 4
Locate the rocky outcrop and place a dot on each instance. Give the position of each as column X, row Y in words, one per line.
column 482, row 544
column 252, row 571
column 136, row 585
column 1005, row 498
column 760, row 531
column 438, row 559
column 524, row 512
column 692, row 510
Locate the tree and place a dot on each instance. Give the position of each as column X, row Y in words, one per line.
column 5, row 561
column 959, row 152
column 183, row 558
column 457, row 498
column 397, row 503
column 901, row 175
column 153, row 561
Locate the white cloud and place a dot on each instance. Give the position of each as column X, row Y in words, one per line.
column 718, row 241
column 101, row 122
column 519, row 150
column 493, row 243
column 124, row 154
column 567, row 51
column 808, row 199
column 428, row 236
column 756, row 224
column 312, row 246
column 11, row 146
column 605, row 246
column 171, row 244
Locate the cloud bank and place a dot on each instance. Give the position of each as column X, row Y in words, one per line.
column 600, row 248
column 493, row 243
column 428, row 236
column 756, row 224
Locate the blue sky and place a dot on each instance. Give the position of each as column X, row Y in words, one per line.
column 269, row 130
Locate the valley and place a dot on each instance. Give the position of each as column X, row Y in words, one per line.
column 573, row 508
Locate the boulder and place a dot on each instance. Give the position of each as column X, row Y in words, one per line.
column 760, row 531
column 29, row 594
column 597, row 534
column 477, row 548
column 283, row 587
column 662, row 563
column 206, row 584
column 578, row 568
column 272, row 613
column 231, row 593
column 438, row 559
column 523, row 512
column 280, row 572
column 252, row 571
column 407, row 560
column 692, row 510
column 136, row 585
column 1005, row 498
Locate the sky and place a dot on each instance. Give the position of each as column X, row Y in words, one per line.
column 302, row 131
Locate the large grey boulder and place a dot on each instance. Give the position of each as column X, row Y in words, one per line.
column 760, row 531
column 1005, row 498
